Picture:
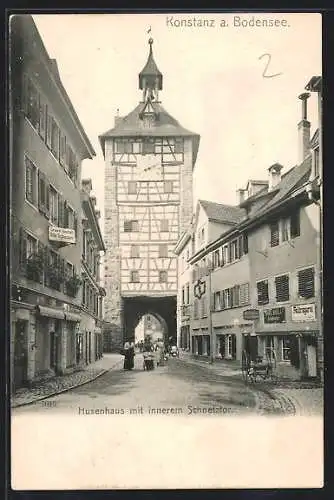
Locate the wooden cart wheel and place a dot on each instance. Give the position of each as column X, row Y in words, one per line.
column 245, row 365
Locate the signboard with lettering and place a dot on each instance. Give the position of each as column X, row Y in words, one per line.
column 251, row 314
column 303, row 312
column 62, row 234
column 275, row 315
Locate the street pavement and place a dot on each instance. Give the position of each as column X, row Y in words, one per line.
column 177, row 388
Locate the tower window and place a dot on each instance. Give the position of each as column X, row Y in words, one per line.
column 168, row 187
column 163, row 251
column 124, row 147
column 163, row 276
column 179, row 145
column 164, row 225
column 131, row 226
column 134, row 277
column 132, row 187
column 148, row 146
column 134, row 251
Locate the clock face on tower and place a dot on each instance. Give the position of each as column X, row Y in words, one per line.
column 149, row 167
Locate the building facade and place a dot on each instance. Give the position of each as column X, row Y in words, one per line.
column 149, row 161
column 47, row 144
column 257, row 287
column 90, row 337
column 184, row 250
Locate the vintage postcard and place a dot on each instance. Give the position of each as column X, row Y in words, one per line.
column 166, row 251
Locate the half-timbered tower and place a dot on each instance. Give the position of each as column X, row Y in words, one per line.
column 149, row 161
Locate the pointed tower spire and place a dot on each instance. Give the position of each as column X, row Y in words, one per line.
column 150, row 78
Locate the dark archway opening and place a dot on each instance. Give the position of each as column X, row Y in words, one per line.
column 163, row 308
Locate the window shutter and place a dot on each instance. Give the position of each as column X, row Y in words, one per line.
column 229, row 252
column 48, row 130
column 60, row 211
column 42, row 119
column 23, row 246
column 75, row 223
column 65, row 214
column 41, row 192
column 47, row 199
column 240, row 247
column 245, row 243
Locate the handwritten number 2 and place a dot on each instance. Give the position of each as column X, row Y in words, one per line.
column 264, row 74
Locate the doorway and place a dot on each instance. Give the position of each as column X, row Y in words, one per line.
column 311, row 357
column 20, row 353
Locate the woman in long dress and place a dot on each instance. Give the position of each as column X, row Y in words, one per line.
column 129, row 353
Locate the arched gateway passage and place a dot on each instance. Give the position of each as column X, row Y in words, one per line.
column 163, row 308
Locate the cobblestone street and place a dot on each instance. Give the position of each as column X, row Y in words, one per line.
column 184, row 387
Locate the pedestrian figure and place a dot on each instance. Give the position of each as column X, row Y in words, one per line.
column 129, row 354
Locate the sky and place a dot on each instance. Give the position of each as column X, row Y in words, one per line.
column 215, row 84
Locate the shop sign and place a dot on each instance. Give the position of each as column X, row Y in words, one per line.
column 276, row 315
column 251, row 314
column 62, row 234
column 303, row 312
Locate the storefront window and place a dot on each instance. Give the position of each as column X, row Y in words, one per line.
column 285, row 349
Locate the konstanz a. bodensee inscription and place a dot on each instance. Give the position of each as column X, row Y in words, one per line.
column 226, row 22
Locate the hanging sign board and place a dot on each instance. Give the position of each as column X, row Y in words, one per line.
column 62, row 234
column 303, row 312
column 251, row 314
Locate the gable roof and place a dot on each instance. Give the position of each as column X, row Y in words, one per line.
column 219, row 212
column 165, row 125
column 292, row 179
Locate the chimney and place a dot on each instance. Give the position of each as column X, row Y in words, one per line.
column 274, row 175
column 117, row 118
column 241, row 195
column 86, row 185
column 304, row 128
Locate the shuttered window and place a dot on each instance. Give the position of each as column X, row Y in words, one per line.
column 216, row 258
column 244, row 294
column 163, row 276
column 53, row 206
column 32, row 111
column 132, row 187
column 134, row 277
column 217, row 302
column 274, row 234
column 42, row 118
column 306, row 283
column 285, row 229
column 282, row 288
column 179, row 145
column 134, row 251
column 295, row 224
column 245, row 243
column 31, row 180
column 164, row 225
column 163, row 251
column 168, row 187
column 262, row 292
column 131, row 226
column 227, row 298
column 235, row 296
column 55, row 134
column 148, row 146
column 43, row 194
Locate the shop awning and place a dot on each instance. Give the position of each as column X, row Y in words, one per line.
column 50, row 312
column 72, row 317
